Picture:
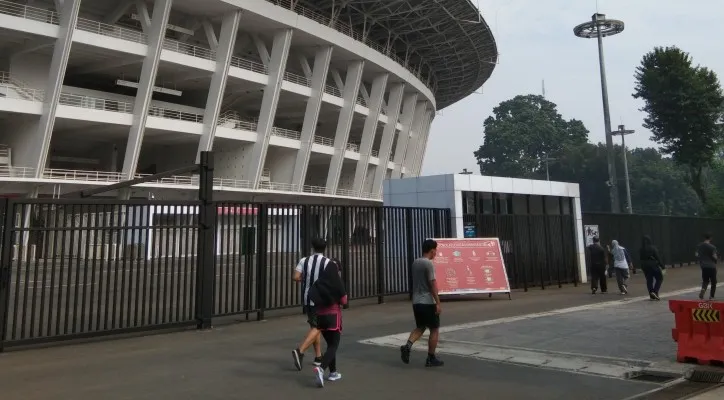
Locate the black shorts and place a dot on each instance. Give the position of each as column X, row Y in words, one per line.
column 311, row 314
column 426, row 316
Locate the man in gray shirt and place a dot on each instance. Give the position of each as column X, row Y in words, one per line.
column 425, row 305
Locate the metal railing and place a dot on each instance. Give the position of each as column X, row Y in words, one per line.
column 80, row 175
column 354, row 147
column 314, row 189
column 16, row 172
column 234, row 119
column 22, row 90
column 286, row 133
column 375, row 153
column 29, row 12
column 4, row 150
column 191, row 50
column 95, row 103
column 349, row 31
column 298, row 79
column 278, row 186
column 175, row 114
column 232, row 183
column 244, row 63
column 324, row 141
column 114, row 31
column 334, row 91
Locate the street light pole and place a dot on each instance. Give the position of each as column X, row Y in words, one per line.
column 600, row 27
column 623, row 132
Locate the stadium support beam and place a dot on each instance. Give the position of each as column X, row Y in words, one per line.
column 388, row 135
column 262, row 50
column 404, row 139
column 417, row 167
column 211, row 34
column 118, row 12
column 344, row 123
column 214, row 100
column 413, row 169
column 269, row 102
column 157, row 31
column 311, row 116
column 143, row 17
column 377, row 96
column 59, row 63
column 413, row 145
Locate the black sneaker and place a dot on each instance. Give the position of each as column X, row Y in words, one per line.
column 593, row 291
column 317, row 361
column 434, row 362
column 655, row 296
column 405, row 354
column 298, row 359
column 701, row 294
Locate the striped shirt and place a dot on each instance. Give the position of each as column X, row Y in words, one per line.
column 310, row 267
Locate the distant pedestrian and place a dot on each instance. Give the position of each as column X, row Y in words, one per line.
column 652, row 266
column 307, row 272
column 708, row 257
column 328, row 294
column 425, row 305
column 598, row 260
column 621, row 265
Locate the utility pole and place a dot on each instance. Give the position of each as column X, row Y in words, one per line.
column 623, row 132
column 598, row 28
column 547, row 161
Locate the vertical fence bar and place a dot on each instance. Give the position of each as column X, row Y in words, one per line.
column 379, row 245
column 410, row 248
column 206, row 274
column 261, row 259
column 5, row 276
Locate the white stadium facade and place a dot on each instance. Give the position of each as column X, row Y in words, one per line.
column 298, row 99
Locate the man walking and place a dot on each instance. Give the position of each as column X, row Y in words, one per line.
column 307, row 272
column 708, row 257
column 425, row 305
column 597, row 260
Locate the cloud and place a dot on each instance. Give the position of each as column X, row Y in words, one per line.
column 536, row 42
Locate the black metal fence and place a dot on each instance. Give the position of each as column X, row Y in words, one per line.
column 82, row 268
column 675, row 237
column 539, row 250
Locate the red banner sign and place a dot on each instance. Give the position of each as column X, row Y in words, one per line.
column 470, row 266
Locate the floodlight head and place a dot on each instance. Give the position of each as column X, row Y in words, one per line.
column 598, row 23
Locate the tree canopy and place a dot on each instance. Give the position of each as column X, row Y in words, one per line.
column 684, row 104
column 520, row 135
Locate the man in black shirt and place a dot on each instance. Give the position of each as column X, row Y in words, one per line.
column 707, row 255
column 597, row 257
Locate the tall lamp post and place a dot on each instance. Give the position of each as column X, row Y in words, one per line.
column 600, row 27
column 623, row 132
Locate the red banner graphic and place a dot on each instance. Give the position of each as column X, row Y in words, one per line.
column 470, row 266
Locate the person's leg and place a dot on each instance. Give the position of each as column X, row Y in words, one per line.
column 705, row 277
column 649, row 281
column 712, row 293
column 602, row 277
column 659, row 277
column 433, row 322
column 332, row 338
column 311, row 339
column 416, row 333
column 620, row 280
column 595, row 278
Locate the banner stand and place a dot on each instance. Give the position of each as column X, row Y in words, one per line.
column 470, row 266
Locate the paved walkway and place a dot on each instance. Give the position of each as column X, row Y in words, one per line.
column 252, row 360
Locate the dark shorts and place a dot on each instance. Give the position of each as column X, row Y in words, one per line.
column 426, row 316
column 312, row 318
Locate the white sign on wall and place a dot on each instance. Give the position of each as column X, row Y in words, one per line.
column 589, row 232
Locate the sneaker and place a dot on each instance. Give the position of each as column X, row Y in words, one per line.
column 405, row 354
column 625, row 290
column 655, row 296
column 593, row 291
column 434, row 362
column 334, row 376
column 701, row 294
column 317, row 361
column 712, row 299
column 319, row 376
column 298, row 359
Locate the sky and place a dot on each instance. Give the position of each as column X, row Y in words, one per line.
column 536, row 43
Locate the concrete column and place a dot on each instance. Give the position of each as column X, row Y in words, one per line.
column 388, row 135
column 224, row 52
column 269, row 102
column 419, row 147
column 311, row 115
column 423, row 147
column 580, row 240
column 404, row 140
column 412, row 145
column 376, row 98
column 344, row 123
column 58, row 64
column 159, row 21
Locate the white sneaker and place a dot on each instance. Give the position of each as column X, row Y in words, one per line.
column 334, row 376
column 319, row 376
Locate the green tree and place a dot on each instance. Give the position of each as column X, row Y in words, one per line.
column 522, row 132
column 684, row 106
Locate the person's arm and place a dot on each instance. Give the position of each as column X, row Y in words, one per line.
column 628, row 258
column 658, row 258
column 297, row 275
column 433, row 286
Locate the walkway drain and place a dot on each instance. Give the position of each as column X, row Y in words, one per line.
column 705, row 375
column 643, row 376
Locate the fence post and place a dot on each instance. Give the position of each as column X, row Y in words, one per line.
column 345, row 251
column 6, row 208
column 262, row 231
column 410, row 248
column 448, row 223
column 379, row 221
column 205, row 257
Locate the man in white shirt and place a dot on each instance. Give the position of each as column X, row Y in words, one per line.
column 307, row 272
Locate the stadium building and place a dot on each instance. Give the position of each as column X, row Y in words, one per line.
column 298, row 99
